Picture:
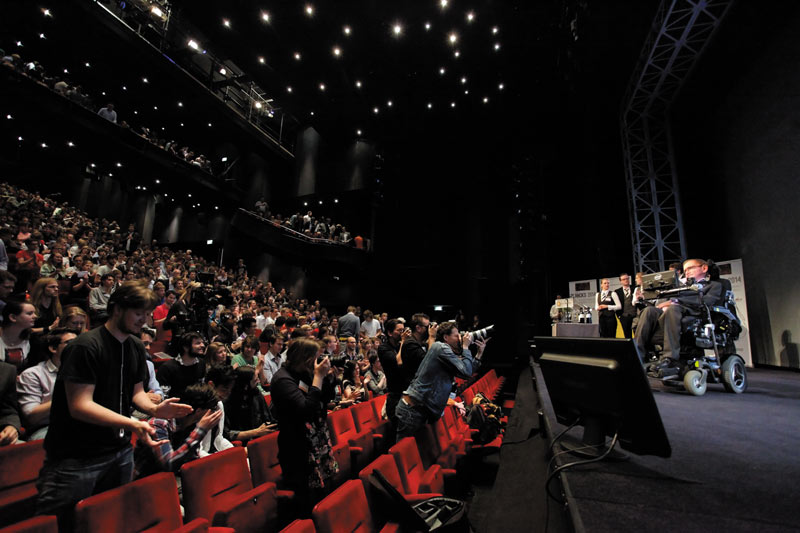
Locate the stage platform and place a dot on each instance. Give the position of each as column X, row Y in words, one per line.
column 735, row 465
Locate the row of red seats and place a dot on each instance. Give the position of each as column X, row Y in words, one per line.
column 490, row 385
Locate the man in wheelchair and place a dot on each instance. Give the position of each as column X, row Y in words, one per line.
column 663, row 324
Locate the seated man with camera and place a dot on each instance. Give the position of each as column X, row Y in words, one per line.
column 661, row 324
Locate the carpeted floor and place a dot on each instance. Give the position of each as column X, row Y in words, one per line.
column 735, row 465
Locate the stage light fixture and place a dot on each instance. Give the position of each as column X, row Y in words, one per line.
column 124, row 88
column 309, row 10
column 224, row 159
column 87, row 65
column 346, row 30
column 90, row 164
column 336, row 200
column 181, row 124
column 158, row 182
column 297, row 56
column 312, row 113
column 466, row 91
column 19, row 138
column 443, row 3
column 144, row 80
column 209, row 124
column 193, row 44
column 103, row 93
column 320, row 202
column 155, row 10
column 452, row 38
column 427, row 26
column 19, row 43
column 358, row 132
column 226, row 23
column 265, row 16
column 223, row 71
column 485, row 99
column 305, row 204
column 119, row 165
column 110, row 175
column 470, row 16
column 155, row 108
column 337, row 51
column 261, row 60
column 9, row 117
column 258, row 105
column 189, row 195
column 66, row 71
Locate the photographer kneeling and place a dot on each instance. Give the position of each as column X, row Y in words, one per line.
column 426, row 397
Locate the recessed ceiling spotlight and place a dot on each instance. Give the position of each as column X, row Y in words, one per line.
column 430, row 105
column 497, row 46
column 42, row 36
column 155, row 10
column 442, row 71
column 258, row 105
column 397, row 29
column 346, row 30
column 297, row 56
column 223, row 71
column 193, row 44
column 309, row 10
column 226, row 23
column 144, row 80
column 209, row 124
column 46, row 13
column 443, row 3
column 265, row 16
column 466, row 92
column 485, row 99
column 87, row 64
column 337, row 51
column 358, row 132
column 321, row 86
column 181, row 124
column 375, row 110
column 452, row 104
column 389, row 103
column 312, row 113
column 463, row 80
column 470, row 16
column 9, row 117
column 44, row 145
column 456, row 54
column 155, row 108
column 427, row 25
column 180, row 104
column 261, row 59
column 70, row 144
column 495, row 30
column 452, row 37
column 358, row 84
column 501, row 86
column 119, row 165
column 289, row 89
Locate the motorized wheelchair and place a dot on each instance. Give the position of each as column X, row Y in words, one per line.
column 707, row 349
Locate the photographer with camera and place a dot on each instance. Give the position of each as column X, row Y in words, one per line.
column 425, row 399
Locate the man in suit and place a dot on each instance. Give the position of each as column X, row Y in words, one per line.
column 627, row 312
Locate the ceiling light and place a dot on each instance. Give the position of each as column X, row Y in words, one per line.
column 397, row 29
column 443, row 3
column 46, row 13
column 321, row 86
column 224, row 159
column 389, row 103
column 466, row 92
column 305, row 204
column 430, row 105
column 110, row 175
column 9, row 117
column 180, row 104
column 226, row 23
column 485, row 99
column 162, row 128
column 497, row 46
column 66, row 71
column 258, row 105
column 70, row 144
column 181, row 124
column 87, row 64
column 336, row 200
column 375, row 110
column 119, row 165
column 463, row 80
column 223, row 71
column 358, row 132
column 452, row 38
column 427, row 25
column 158, row 181
column 265, row 16
column 346, row 30
column 442, row 71
column 320, row 202
column 312, row 113
column 495, row 30
column 289, row 89
column 19, row 138
column 44, row 145
column 470, row 16
column 144, row 80
column 189, row 195
column 19, row 43
column 337, row 51
column 209, row 124
column 358, row 84
column 155, row 108
column 309, row 10
column 193, row 44
column 501, row 86
column 456, row 53
column 261, row 60
column 124, row 88
column 135, row 112
column 92, row 165
column 156, row 11
column 297, row 56
column 452, row 104
column 103, row 93
column 41, row 36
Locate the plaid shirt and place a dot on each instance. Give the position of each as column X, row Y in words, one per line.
column 164, row 458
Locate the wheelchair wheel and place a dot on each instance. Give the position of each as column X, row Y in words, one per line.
column 694, row 382
column 734, row 374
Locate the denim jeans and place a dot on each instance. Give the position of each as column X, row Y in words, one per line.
column 409, row 419
column 63, row 483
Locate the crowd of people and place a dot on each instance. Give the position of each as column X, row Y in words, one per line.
column 311, row 227
column 104, row 336
column 76, row 93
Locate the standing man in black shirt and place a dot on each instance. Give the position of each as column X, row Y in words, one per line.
column 101, row 378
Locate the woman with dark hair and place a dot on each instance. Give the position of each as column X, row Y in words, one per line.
column 44, row 297
column 18, row 319
column 246, row 413
column 352, row 386
column 300, row 392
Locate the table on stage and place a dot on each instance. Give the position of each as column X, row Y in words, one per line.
column 575, row 329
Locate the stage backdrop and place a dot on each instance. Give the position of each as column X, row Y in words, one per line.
column 583, row 294
column 732, row 270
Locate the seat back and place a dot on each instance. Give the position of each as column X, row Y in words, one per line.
column 19, row 470
column 342, row 426
column 409, row 464
column 253, row 511
column 37, row 524
column 345, row 509
column 264, row 464
column 300, row 526
column 341, row 452
column 386, row 465
column 149, row 504
column 377, row 405
column 214, row 482
column 364, row 416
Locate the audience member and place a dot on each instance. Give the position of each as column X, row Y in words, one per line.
column 176, row 375
column 18, row 320
column 247, row 414
column 9, row 409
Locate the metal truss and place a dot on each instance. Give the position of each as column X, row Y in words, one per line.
column 681, row 30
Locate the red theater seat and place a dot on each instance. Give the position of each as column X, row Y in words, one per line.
column 219, row 488
column 344, row 431
column 387, row 465
column 416, row 478
column 37, row 524
column 365, row 419
column 19, row 470
column 346, row 510
column 300, row 526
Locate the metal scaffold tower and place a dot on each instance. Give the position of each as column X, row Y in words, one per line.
column 681, row 30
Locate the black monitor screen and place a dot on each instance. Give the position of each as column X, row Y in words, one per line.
column 658, row 281
column 603, row 380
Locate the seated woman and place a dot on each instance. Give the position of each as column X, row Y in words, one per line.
column 374, row 378
column 250, row 357
column 300, row 391
column 352, row 385
column 216, row 353
column 73, row 317
column 44, row 297
column 246, row 413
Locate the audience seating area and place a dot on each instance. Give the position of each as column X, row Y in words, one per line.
column 222, row 492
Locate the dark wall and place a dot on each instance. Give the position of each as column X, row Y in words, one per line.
column 737, row 131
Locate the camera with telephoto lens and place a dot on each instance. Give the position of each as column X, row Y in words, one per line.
column 480, row 333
